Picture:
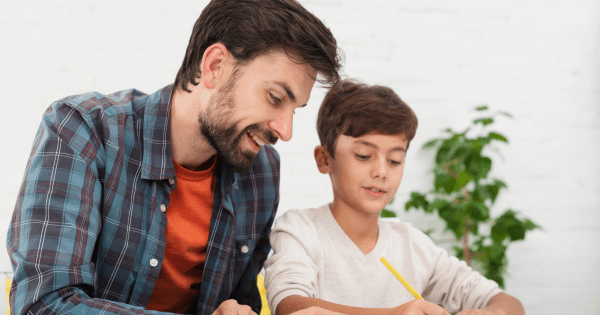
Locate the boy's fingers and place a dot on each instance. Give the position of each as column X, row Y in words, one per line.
column 428, row 308
column 437, row 310
column 420, row 307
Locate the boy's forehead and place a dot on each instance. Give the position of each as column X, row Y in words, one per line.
column 376, row 140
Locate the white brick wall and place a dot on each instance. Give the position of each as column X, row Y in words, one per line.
column 539, row 60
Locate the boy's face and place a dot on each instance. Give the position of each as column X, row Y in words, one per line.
column 366, row 171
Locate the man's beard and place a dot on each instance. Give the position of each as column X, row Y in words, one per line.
column 223, row 135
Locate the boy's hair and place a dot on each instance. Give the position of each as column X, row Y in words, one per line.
column 355, row 109
column 249, row 28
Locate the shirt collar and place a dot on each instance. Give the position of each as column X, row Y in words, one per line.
column 157, row 161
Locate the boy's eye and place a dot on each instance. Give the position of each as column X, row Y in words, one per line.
column 362, row 157
column 395, row 162
column 275, row 99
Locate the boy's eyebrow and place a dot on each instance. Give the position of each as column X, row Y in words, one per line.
column 288, row 90
column 369, row 144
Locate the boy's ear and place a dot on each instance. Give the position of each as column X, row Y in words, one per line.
column 322, row 158
column 214, row 65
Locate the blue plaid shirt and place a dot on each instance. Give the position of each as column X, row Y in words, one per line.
column 88, row 234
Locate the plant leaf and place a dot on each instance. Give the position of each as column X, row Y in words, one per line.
column 497, row 136
column 516, row 231
column 497, row 251
column 439, row 204
column 428, row 232
column 444, row 182
column 431, row 143
column 478, row 165
column 419, row 200
column 493, row 191
column 529, row 225
column 454, row 219
column 478, row 211
column 463, row 178
column 499, row 232
column 480, row 193
column 483, row 121
column 483, row 107
column 387, row 214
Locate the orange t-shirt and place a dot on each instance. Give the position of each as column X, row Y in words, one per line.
column 188, row 224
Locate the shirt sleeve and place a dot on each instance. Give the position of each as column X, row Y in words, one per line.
column 452, row 283
column 57, row 219
column 292, row 270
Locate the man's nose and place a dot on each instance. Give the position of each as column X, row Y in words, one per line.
column 283, row 125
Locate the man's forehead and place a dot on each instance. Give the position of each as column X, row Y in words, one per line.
column 291, row 59
column 293, row 77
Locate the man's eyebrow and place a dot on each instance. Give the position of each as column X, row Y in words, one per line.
column 289, row 92
column 369, row 144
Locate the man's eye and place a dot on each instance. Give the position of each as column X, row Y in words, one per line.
column 362, row 157
column 275, row 99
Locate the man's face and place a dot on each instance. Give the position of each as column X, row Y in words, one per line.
column 255, row 107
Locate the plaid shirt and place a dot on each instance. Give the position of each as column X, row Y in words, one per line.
column 88, row 230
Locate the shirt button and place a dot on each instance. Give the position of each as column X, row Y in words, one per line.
column 153, row 262
column 163, row 208
column 171, row 180
column 244, row 249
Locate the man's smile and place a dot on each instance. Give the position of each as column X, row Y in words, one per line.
column 255, row 138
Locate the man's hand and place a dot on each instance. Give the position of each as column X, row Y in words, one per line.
column 477, row 312
column 419, row 307
column 231, row 307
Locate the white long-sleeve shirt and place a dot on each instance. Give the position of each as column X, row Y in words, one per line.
column 313, row 257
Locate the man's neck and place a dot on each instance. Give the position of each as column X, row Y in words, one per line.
column 189, row 147
column 362, row 228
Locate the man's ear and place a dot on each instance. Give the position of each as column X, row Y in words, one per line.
column 322, row 157
column 214, row 65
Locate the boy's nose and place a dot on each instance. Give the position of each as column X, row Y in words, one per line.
column 379, row 169
column 283, row 125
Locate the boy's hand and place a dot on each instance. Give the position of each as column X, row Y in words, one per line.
column 315, row 310
column 476, row 312
column 419, row 307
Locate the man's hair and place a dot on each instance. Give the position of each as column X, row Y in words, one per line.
column 249, row 28
column 355, row 109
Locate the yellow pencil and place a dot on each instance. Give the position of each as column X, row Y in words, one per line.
column 399, row 277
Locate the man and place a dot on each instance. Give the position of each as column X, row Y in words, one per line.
column 143, row 204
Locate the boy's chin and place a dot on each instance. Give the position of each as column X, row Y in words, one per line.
column 376, row 207
column 376, row 210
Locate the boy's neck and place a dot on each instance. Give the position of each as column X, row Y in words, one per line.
column 362, row 228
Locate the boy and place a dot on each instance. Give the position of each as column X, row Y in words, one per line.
column 329, row 256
